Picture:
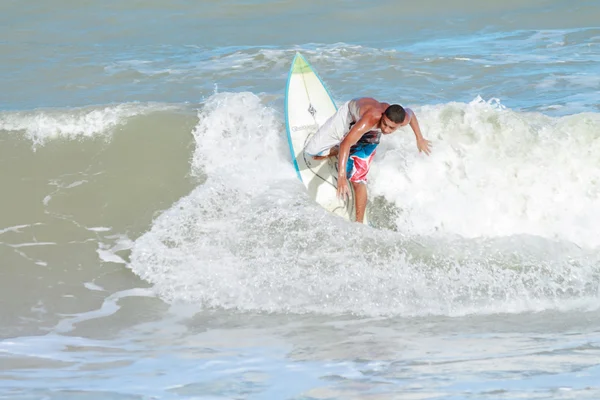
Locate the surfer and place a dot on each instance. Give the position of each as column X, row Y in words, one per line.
column 353, row 134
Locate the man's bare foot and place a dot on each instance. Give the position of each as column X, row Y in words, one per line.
column 332, row 153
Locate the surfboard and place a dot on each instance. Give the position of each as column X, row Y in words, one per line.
column 308, row 104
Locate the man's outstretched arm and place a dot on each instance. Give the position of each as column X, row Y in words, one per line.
column 422, row 144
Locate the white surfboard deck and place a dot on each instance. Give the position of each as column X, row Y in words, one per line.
column 308, row 105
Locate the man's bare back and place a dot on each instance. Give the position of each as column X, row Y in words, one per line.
column 370, row 105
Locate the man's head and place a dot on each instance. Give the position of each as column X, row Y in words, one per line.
column 393, row 117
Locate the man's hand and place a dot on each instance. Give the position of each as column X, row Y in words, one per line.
column 343, row 191
column 424, row 146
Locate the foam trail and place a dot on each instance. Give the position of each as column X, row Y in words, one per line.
column 109, row 307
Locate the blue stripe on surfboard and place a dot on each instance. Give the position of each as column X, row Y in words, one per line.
column 287, row 122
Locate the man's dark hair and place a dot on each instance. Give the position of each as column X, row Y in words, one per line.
column 395, row 113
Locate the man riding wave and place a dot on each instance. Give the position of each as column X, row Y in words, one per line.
column 353, row 134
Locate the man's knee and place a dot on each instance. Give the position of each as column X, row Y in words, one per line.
column 360, row 185
column 312, row 149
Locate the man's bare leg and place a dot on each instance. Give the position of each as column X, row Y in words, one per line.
column 332, row 152
column 360, row 200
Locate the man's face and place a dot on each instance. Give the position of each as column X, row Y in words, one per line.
column 388, row 126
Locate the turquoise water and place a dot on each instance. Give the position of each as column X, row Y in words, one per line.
column 155, row 242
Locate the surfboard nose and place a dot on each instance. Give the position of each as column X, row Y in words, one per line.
column 300, row 65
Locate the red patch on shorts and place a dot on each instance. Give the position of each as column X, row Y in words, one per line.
column 361, row 168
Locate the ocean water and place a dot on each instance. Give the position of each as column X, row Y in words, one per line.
column 155, row 242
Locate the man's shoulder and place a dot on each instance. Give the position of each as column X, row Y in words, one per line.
column 370, row 108
column 373, row 112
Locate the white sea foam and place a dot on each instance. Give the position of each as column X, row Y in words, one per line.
column 16, row 228
column 495, row 172
column 42, row 125
column 482, row 225
column 237, row 137
column 109, row 306
column 93, row 286
column 231, row 61
column 108, row 252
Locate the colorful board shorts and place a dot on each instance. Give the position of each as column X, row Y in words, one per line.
column 359, row 162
